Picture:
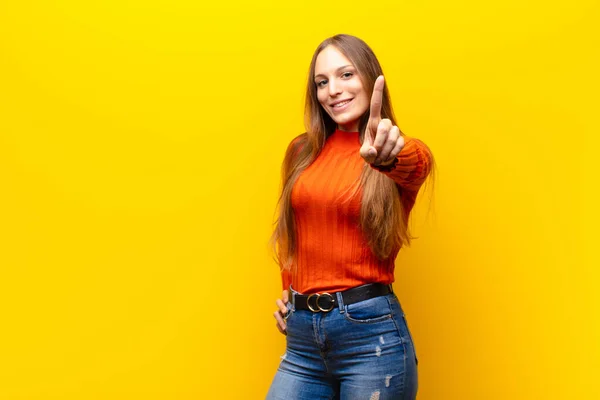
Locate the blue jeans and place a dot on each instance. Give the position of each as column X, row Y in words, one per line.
column 358, row 351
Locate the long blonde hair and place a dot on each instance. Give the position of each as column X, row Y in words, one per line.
column 383, row 220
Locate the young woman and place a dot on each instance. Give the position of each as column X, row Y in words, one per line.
column 349, row 184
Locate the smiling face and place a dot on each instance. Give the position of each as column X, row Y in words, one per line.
column 339, row 89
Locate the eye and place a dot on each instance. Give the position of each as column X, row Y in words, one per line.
column 347, row 74
column 322, row 83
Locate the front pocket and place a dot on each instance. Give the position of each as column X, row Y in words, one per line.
column 290, row 311
column 369, row 311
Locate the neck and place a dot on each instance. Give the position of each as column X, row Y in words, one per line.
column 352, row 127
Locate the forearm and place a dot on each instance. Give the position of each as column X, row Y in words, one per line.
column 412, row 165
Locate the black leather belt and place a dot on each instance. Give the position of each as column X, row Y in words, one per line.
column 326, row 302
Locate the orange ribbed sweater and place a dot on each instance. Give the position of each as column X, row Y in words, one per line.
column 332, row 253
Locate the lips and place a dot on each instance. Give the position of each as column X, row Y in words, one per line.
column 340, row 103
column 341, row 106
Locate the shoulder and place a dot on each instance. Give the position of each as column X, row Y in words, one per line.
column 301, row 138
column 297, row 143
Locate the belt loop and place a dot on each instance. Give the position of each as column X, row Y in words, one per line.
column 340, row 302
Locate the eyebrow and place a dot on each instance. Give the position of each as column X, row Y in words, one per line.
column 337, row 70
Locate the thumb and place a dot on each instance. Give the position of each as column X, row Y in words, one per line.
column 367, row 151
column 285, row 296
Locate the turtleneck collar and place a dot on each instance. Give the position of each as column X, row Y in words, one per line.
column 339, row 137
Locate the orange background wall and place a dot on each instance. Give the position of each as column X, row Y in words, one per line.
column 140, row 145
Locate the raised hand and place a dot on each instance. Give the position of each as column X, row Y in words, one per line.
column 382, row 141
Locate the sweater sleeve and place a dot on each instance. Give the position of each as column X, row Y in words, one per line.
column 413, row 166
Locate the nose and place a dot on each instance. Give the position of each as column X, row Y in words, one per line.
column 334, row 88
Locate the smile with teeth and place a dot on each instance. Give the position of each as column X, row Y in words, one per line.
column 343, row 103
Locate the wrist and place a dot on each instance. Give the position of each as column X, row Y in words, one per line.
column 387, row 166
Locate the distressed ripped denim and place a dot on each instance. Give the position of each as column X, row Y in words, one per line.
column 358, row 351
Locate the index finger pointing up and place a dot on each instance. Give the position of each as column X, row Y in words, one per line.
column 377, row 97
